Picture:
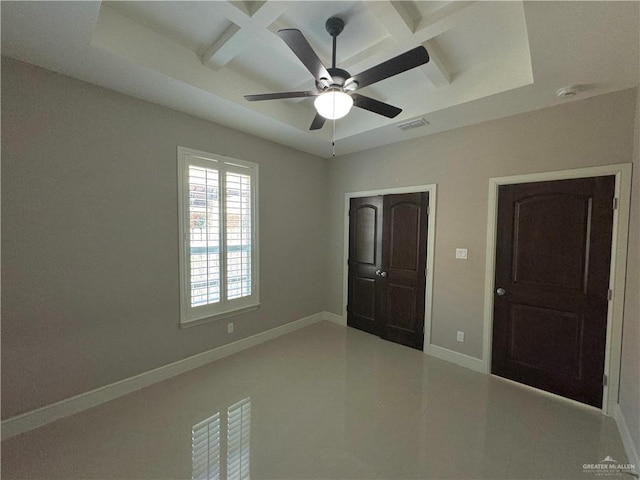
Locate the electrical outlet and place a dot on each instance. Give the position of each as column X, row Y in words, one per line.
column 230, row 327
column 460, row 336
column 461, row 253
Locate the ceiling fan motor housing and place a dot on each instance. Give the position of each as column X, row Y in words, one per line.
column 339, row 77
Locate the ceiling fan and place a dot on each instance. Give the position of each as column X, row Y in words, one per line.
column 335, row 94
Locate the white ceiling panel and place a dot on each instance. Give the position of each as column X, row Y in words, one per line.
column 196, row 25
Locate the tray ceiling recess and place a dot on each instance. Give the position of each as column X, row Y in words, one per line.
column 487, row 59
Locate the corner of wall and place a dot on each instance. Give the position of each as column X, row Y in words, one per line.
column 627, row 412
column 633, row 456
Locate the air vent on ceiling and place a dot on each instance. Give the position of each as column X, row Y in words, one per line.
column 418, row 122
column 568, row 92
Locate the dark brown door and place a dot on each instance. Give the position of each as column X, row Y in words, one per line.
column 404, row 259
column 387, row 262
column 552, row 278
column 365, row 259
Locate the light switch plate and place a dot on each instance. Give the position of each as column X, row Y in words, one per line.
column 461, row 253
column 460, row 336
column 230, row 327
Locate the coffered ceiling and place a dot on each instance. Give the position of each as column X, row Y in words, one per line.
column 488, row 59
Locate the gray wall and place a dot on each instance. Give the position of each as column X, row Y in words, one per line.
column 90, row 262
column 585, row 133
column 90, row 241
column 630, row 371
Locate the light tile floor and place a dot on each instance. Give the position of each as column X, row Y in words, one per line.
column 325, row 402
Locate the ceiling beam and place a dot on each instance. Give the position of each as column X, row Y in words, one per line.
column 442, row 19
column 435, row 70
column 222, row 50
column 402, row 21
column 246, row 26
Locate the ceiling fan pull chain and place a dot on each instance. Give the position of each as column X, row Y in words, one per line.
column 333, row 141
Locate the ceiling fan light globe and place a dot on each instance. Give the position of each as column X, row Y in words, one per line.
column 333, row 104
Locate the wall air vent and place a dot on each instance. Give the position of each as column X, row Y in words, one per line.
column 418, row 122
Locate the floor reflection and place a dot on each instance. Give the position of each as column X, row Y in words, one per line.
column 328, row 402
column 208, row 440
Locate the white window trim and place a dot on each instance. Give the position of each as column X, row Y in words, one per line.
column 191, row 316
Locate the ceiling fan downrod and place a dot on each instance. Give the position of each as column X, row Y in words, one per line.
column 334, row 26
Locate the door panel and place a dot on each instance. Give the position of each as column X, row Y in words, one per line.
column 365, row 254
column 364, row 251
column 557, row 224
column 401, row 301
column 552, row 260
column 558, row 352
column 404, row 259
column 404, row 236
column 363, row 301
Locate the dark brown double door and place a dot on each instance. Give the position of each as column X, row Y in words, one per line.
column 552, row 281
column 387, row 262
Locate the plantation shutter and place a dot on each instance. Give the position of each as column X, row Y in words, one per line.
column 238, row 234
column 204, row 235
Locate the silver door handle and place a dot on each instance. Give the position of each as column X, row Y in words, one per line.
column 501, row 291
column 382, row 274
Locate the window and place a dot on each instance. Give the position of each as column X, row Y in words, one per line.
column 218, row 235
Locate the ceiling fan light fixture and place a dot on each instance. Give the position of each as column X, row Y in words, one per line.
column 333, row 104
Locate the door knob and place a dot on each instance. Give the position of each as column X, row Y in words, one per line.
column 382, row 274
column 501, row 291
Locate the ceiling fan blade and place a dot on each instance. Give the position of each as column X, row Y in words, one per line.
column 375, row 106
column 277, row 96
column 406, row 61
column 318, row 122
column 299, row 45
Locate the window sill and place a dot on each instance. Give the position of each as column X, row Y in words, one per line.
column 218, row 316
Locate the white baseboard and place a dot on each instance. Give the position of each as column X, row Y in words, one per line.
column 455, row 357
column 335, row 318
column 631, row 449
column 69, row 406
